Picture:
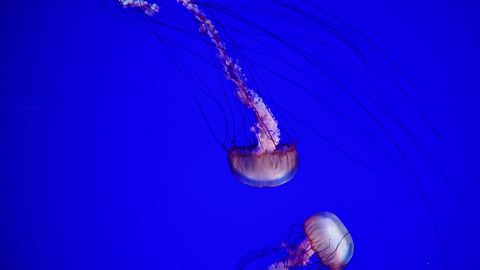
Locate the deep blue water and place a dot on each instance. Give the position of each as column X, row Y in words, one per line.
column 113, row 128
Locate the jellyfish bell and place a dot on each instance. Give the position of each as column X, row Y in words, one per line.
column 329, row 239
column 264, row 168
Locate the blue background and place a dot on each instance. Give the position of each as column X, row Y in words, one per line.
column 108, row 162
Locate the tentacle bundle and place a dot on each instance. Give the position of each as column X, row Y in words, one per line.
column 266, row 128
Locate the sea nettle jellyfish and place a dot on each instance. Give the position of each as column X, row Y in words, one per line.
column 324, row 241
column 268, row 163
column 327, row 238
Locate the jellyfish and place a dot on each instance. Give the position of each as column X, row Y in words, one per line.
column 325, row 237
column 268, row 163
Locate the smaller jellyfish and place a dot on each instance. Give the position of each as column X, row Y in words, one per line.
column 327, row 238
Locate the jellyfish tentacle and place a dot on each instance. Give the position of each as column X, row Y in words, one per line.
column 298, row 257
column 266, row 129
column 149, row 8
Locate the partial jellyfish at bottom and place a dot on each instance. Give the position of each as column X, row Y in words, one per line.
column 324, row 241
